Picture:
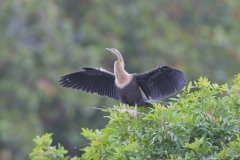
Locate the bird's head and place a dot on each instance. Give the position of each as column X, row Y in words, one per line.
column 118, row 54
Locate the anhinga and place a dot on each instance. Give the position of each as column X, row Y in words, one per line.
column 160, row 83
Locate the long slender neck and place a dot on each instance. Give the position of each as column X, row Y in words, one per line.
column 121, row 75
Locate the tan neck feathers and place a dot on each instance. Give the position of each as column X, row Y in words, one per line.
column 122, row 78
column 119, row 56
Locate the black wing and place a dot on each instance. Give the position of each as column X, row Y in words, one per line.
column 92, row 80
column 161, row 82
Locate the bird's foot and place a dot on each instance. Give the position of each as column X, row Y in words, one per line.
column 133, row 113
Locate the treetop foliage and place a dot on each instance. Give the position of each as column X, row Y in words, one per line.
column 201, row 123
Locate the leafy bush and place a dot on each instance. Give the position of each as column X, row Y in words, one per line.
column 44, row 150
column 201, row 123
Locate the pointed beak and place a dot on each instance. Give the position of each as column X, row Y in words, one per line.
column 113, row 50
column 108, row 49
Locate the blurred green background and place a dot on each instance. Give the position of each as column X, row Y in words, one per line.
column 42, row 40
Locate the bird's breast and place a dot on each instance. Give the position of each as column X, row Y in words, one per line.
column 122, row 82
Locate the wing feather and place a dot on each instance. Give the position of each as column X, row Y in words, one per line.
column 161, row 83
column 92, row 80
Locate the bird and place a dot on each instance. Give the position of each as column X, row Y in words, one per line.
column 129, row 88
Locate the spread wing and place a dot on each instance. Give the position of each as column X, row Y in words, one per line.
column 161, row 83
column 92, row 80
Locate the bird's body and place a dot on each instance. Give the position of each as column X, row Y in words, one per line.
column 159, row 83
column 131, row 98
